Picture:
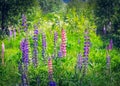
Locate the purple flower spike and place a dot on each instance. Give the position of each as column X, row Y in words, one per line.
column 44, row 40
column 80, row 61
column 24, row 22
column 35, row 51
column 25, row 52
column 86, row 44
column 55, row 37
column 35, row 30
column 10, row 33
column 55, row 41
column 110, row 46
column 24, row 80
column 60, row 53
column 43, row 45
column 52, row 83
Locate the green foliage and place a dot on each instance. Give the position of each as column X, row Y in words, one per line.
column 11, row 11
column 108, row 11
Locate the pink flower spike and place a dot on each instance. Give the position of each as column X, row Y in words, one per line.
column 63, row 44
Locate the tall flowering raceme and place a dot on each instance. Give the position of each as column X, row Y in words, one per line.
column 50, row 72
column 25, row 60
column 3, row 51
column 79, row 62
column 43, row 45
column 64, row 40
column 35, row 51
column 24, row 22
column 86, row 44
column 55, row 41
column 110, row 46
column 10, row 33
column 25, row 52
column 50, row 68
column 86, row 50
column 24, row 81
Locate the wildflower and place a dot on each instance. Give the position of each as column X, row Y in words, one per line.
column 50, row 69
column 63, row 45
column 52, row 83
column 86, row 44
column 35, row 51
column 24, row 22
column 110, row 46
column 80, row 61
column 85, row 62
column 55, row 37
column 25, row 61
column 24, row 79
column 20, row 67
column 43, row 45
column 25, row 52
column 60, row 53
column 10, row 33
column 86, row 51
column 3, row 50
column 55, row 40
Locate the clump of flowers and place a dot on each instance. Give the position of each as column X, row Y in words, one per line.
column 63, row 45
column 35, row 51
column 3, row 51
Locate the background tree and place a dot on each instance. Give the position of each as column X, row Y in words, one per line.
column 10, row 9
column 107, row 14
